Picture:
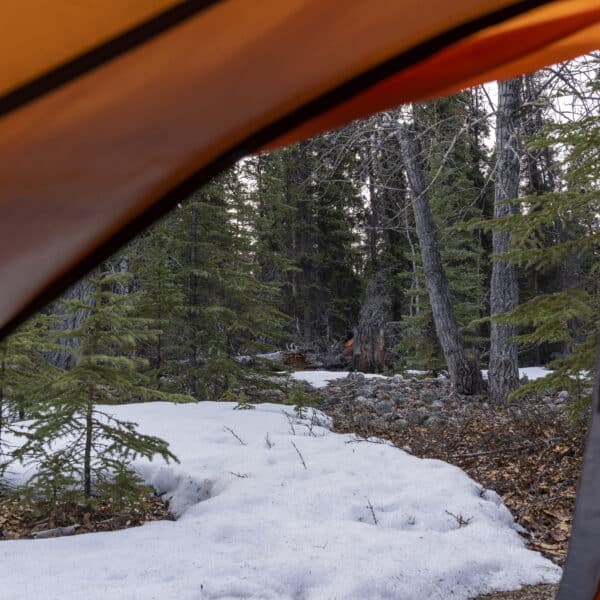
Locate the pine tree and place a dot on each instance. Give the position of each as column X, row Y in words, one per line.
column 94, row 445
column 155, row 264
column 307, row 198
column 23, row 370
column 229, row 311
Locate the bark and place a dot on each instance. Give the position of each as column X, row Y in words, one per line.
column 504, row 287
column 193, row 301
column 64, row 356
column 464, row 372
column 368, row 354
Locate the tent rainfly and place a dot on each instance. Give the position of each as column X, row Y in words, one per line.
column 112, row 112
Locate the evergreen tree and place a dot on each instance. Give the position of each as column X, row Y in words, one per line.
column 308, row 198
column 229, row 311
column 94, row 444
column 155, row 264
column 23, row 370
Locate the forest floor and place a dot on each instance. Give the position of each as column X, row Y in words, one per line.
column 23, row 518
column 529, row 452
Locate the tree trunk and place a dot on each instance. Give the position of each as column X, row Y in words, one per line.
column 87, row 457
column 368, row 353
column 504, row 287
column 464, row 373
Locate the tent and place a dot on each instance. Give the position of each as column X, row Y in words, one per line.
column 112, row 112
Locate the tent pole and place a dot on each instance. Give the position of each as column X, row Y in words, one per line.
column 581, row 575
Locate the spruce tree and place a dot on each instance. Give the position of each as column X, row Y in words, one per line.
column 23, row 370
column 229, row 311
column 155, row 264
column 72, row 439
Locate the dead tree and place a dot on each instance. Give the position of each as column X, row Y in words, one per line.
column 504, row 286
column 464, row 372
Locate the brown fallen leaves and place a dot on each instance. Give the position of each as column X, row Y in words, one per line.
column 529, row 454
column 21, row 519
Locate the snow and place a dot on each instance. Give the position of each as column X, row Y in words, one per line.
column 255, row 523
column 320, row 379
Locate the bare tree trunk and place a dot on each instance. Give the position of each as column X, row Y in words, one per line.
column 63, row 357
column 504, row 286
column 464, row 373
column 87, row 457
column 368, row 353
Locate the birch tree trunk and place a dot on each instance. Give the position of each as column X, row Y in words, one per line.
column 504, row 287
column 464, row 372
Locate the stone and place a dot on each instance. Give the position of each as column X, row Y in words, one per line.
column 363, row 400
column 385, row 407
column 399, row 425
column 563, row 396
column 428, row 396
column 380, row 423
column 417, row 416
column 362, row 421
column 385, row 387
column 434, row 421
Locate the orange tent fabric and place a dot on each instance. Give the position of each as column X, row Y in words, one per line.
column 111, row 112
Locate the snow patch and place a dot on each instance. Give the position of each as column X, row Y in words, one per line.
column 320, row 379
column 285, row 509
column 176, row 486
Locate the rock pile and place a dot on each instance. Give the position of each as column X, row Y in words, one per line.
column 395, row 403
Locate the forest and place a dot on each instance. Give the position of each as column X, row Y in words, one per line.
column 452, row 236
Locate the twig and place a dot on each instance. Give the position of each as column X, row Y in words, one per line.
column 240, row 475
column 462, row 521
column 299, row 454
column 370, row 507
column 235, row 435
column 481, row 491
column 291, row 423
column 501, row 450
column 70, row 530
column 366, row 440
column 268, row 441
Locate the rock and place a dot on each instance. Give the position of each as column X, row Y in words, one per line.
column 385, row 387
column 428, row 396
column 380, row 423
column 434, row 421
column 563, row 396
column 437, row 403
column 417, row 417
column 399, row 425
column 355, row 377
column 385, row 407
column 399, row 400
column 362, row 421
column 363, row 400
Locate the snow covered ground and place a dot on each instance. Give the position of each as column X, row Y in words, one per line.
column 289, row 510
column 322, row 378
